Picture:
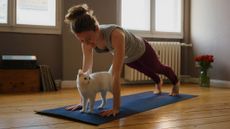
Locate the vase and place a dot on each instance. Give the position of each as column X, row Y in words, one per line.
column 204, row 78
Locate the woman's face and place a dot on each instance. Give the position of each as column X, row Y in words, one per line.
column 88, row 37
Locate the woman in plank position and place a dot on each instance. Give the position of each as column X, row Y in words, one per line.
column 125, row 47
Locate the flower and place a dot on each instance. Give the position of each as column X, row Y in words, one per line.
column 204, row 61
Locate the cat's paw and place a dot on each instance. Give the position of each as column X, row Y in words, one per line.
column 90, row 112
column 82, row 111
column 100, row 107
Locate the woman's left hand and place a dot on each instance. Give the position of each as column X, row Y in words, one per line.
column 107, row 113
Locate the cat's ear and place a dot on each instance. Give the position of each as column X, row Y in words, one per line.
column 80, row 72
column 87, row 72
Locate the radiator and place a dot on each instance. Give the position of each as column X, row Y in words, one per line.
column 169, row 53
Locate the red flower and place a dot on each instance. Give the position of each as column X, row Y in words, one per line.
column 205, row 58
column 204, row 61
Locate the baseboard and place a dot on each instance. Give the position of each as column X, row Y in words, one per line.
column 213, row 82
column 68, row 84
column 220, row 83
column 188, row 79
column 184, row 79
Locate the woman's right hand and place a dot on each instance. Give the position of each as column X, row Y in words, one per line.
column 74, row 107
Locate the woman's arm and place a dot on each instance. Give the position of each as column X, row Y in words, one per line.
column 87, row 65
column 118, row 43
column 87, row 52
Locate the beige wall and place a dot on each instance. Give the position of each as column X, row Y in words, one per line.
column 210, row 34
column 47, row 48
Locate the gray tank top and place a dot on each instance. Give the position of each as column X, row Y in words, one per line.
column 134, row 46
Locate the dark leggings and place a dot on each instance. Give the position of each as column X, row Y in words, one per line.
column 150, row 65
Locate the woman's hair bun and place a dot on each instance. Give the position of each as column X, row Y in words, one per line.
column 80, row 10
column 77, row 11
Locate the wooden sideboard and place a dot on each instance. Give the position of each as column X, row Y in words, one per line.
column 19, row 80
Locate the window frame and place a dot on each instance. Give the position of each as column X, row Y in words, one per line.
column 152, row 33
column 11, row 25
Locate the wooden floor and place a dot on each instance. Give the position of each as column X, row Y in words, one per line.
column 210, row 110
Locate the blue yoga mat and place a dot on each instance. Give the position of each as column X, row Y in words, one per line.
column 130, row 104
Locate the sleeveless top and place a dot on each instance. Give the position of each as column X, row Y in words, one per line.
column 134, row 46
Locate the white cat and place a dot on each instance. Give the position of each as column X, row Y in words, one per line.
column 90, row 84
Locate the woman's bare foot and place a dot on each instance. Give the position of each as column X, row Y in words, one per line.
column 74, row 107
column 158, row 88
column 175, row 90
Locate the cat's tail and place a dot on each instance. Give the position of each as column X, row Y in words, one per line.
column 111, row 69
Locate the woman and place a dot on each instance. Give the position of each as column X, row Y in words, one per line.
column 125, row 47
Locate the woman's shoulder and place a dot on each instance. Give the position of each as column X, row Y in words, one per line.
column 109, row 26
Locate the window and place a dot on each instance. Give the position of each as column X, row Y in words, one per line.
column 30, row 16
column 141, row 19
column 152, row 18
column 3, row 11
